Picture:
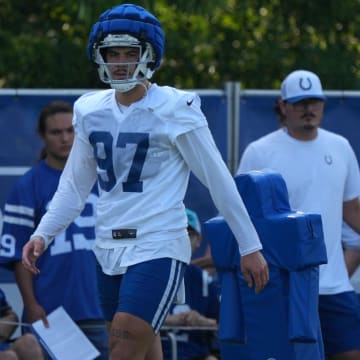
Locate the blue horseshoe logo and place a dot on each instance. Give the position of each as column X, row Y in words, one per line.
column 302, row 86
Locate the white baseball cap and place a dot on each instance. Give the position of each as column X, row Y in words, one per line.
column 300, row 85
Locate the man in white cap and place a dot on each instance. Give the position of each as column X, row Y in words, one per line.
column 322, row 176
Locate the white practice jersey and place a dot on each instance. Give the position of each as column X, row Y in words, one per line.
column 142, row 156
column 320, row 175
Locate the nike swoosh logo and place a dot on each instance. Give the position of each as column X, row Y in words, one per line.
column 189, row 102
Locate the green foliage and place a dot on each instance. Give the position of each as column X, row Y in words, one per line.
column 43, row 43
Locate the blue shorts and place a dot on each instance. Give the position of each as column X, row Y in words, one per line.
column 340, row 322
column 146, row 290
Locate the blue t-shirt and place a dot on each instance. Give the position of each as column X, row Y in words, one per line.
column 68, row 267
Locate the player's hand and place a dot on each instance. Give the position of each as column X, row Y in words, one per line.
column 32, row 250
column 36, row 312
column 255, row 270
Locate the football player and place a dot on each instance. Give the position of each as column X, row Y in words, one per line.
column 141, row 140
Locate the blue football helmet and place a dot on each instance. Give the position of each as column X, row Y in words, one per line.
column 127, row 25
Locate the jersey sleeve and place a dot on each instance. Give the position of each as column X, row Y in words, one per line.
column 202, row 156
column 81, row 107
column 186, row 115
column 18, row 222
column 75, row 184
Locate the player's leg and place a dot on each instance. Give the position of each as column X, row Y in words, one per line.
column 155, row 351
column 144, row 297
column 130, row 337
column 340, row 324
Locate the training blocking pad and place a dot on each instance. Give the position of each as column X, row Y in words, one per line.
column 282, row 321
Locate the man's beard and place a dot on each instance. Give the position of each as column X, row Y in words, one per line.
column 309, row 127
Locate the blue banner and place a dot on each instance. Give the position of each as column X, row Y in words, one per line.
column 20, row 145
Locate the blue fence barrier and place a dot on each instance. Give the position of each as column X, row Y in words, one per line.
column 251, row 116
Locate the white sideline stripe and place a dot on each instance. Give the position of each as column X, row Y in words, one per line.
column 13, row 170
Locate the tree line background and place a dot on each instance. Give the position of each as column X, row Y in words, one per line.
column 208, row 42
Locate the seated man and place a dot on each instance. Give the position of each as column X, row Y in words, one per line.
column 200, row 308
column 25, row 347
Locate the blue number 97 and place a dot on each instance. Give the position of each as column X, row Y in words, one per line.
column 105, row 162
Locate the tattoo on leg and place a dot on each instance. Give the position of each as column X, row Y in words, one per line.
column 120, row 333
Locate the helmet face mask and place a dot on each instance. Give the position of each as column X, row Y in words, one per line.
column 132, row 72
column 126, row 26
